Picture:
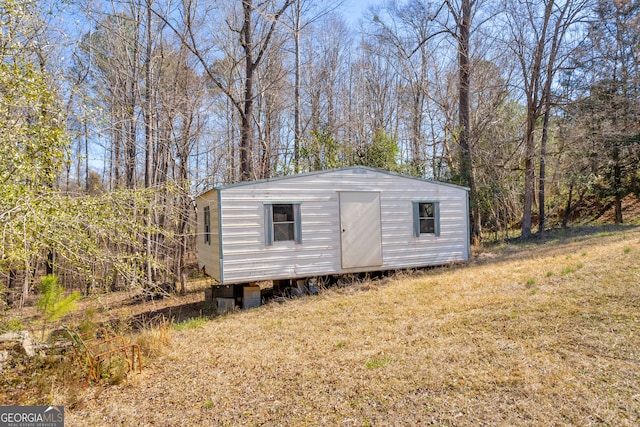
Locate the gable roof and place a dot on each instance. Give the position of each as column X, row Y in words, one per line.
column 346, row 168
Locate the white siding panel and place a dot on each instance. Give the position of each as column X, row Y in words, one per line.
column 247, row 258
column 209, row 253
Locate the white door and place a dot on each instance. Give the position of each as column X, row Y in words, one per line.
column 360, row 229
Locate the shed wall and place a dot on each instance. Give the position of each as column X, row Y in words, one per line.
column 247, row 258
column 209, row 253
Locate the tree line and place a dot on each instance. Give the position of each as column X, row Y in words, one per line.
column 116, row 113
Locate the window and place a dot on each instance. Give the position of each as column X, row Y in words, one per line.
column 207, row 225
column 426, row 218
column 282, row 223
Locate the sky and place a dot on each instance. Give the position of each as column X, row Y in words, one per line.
column 354, row 9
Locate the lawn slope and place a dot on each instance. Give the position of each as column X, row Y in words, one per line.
column 544, row 333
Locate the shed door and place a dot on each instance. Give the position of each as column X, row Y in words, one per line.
column 361, row 234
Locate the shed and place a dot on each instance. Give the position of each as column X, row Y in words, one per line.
column 349, row 220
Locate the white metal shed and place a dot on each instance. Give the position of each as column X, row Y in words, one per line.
column 348, row 220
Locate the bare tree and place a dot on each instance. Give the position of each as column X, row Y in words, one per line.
column 405, row 30
column 324, row 74
column 272, row 102
column 538, row 31
column 462, row 16
column 303, row 15
column 254, row 34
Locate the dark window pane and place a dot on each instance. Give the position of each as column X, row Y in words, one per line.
column 207, row 225
column 427, row 225
column 282, row 232
column 282, row 213
column 426, row 210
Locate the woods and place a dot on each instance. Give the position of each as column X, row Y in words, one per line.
column 114, row 115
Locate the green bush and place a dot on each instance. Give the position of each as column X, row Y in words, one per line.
column 51, row 304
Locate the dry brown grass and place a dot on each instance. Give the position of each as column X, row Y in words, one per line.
column 52, row 377
column 541, row 334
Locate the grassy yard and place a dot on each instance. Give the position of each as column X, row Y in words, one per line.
column 542, row 333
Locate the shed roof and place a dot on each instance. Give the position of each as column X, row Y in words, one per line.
column 346, row 168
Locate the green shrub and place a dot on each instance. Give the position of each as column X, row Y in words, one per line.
column 13, row 325
column 51, row 304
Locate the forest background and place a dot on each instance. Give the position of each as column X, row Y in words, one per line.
column 115, row 114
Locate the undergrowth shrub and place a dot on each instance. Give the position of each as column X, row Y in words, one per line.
column 51, row 304
column 12, row 325
column 114, row 370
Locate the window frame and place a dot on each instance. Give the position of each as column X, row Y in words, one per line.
column 269, row 223
column 417, row 218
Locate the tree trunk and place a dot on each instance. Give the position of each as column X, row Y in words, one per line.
column 86, row 155
column 529, row 178
column 297, row 112
column 13, row 278
column 26, row 284
column 253, row 56
column 116, row 142
column 130, row 152
column 533, row 112
column 617, row 183
column 130, row 112
column 49, row 264
column 557, row 36
column 148, row 133
column 464, row 82
column 542, row 177
column 246, row 139
column 148, row 102
column 567, row 210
